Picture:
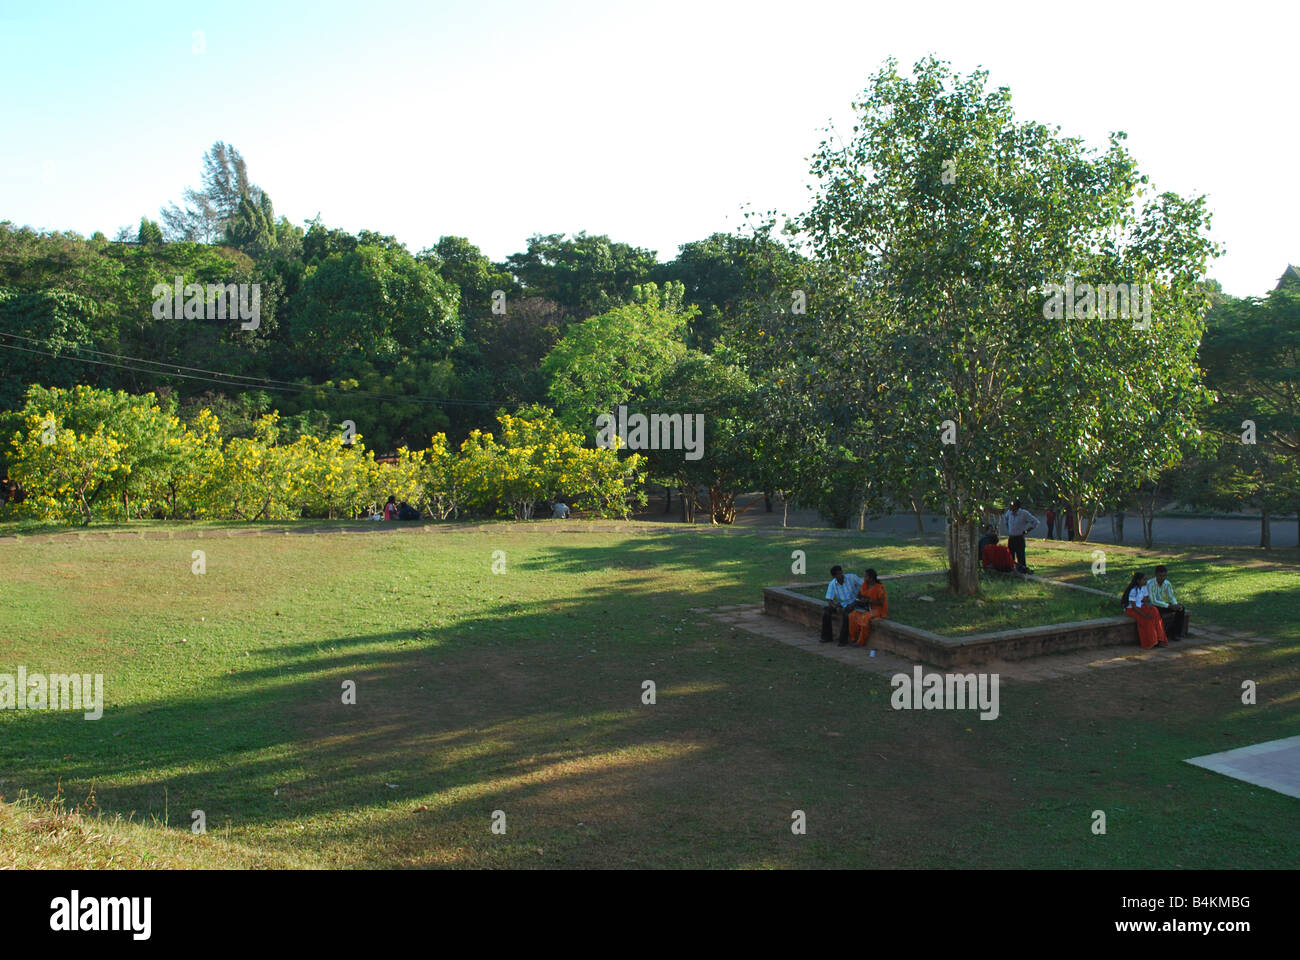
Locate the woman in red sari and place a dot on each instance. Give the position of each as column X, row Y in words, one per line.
column 872, row 593
column 1138, row 605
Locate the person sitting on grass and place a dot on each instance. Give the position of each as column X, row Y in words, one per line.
column 997, row 557
column 560, row 511
column 1172, row 613
column 877, row 608
column 1137, row 604
column 390, row 509
column 841, row 599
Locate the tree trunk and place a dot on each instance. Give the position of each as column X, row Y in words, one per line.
column 1147, row 514
column 668, row 499
column 1117, row 526
column 688, row 505
column 963, row 566
column 1264, row 531
column 785, row 510
column 767, row 501
column 722, row 505
column 862, row 516
column 916, row 512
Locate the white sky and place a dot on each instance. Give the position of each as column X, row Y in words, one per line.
column 654, row 123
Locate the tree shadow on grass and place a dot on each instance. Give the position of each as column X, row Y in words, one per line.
column 506, row 710
column 534, row 708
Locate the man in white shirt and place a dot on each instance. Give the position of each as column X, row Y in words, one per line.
column 1019, row 522
column 561, row 511
column 1173, row 613
column 841, row 598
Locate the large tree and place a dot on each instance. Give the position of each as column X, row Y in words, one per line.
column 585, row 274
column 720, row 274
column 951, row 218
column 210, row 209
column 375, row 301
column 1251, row 355
column 618, row 356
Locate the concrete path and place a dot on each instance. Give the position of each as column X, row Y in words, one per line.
column 1212, row 531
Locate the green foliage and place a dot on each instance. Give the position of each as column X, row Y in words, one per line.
column 721, row 273
column 584, row 274
column 150, row 234
column 925, row 213
column 614, row 357
column 209, row 210
column 707, row 387
column 53, row 322
column 461, row 263
column 1251, row 354
column 87, row 454
column 374, row 301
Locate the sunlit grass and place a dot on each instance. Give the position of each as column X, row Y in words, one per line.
column 524, row 693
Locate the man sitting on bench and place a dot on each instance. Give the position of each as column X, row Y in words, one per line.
column 841, row 599
column 1173, row 613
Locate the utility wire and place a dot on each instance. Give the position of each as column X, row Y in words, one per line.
column 173, row 370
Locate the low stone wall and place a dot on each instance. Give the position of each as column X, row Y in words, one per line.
column 940, row 651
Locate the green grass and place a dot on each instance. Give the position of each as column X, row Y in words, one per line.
column 522, row 693
column 53, row 835
column 1004, row 603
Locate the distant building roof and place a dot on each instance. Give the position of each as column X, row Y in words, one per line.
column 1291, row 275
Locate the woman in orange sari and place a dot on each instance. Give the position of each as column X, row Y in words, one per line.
column 872, row 594
column 1138, row 605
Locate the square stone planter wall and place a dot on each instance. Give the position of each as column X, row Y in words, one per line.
column 922, row 645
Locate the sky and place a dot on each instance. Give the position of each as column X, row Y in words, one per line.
column 655, row 123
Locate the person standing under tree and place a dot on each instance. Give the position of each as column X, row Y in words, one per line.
column 1019, row 522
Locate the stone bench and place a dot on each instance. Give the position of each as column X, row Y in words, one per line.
column 916, row 644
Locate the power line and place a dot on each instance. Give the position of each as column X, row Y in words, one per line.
column 122, row 356
column 258, row 384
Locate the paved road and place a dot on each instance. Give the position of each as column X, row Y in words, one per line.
column 1216, row 531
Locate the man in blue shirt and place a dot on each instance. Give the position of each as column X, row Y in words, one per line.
column 841, row 598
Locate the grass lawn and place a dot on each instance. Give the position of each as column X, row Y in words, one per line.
column 1005, row 603
column 522, row 693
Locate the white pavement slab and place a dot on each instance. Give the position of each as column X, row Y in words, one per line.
column 1274, row 764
